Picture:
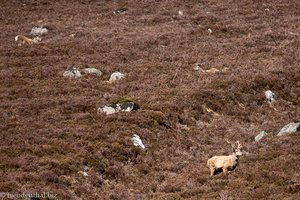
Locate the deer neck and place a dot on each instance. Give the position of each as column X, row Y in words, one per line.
column 234, row 156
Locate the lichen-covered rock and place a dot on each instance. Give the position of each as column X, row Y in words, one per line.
column 121, row 105
column 260, row 136
column 116, row 76
column 91, row 70
column 290, row 128
column 72, row 72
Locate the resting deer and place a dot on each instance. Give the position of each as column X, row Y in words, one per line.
column 21, row 40
column 225, row 163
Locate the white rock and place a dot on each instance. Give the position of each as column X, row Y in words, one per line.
column 197, row 67
column 72, row 72
column 269, row 96
column 290, row 128
column 83, row 173
column 137, row 141
column 209, row 30
column 92, row 71
column 116, row 76
column 108, row 110
column 38, row 31
column 120, row 11
column 114, row 108
column 180, row 13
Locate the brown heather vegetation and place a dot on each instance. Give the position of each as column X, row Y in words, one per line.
column 50, row 129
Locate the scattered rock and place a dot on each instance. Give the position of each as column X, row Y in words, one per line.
column 212, row 70
column 83, row 173
column 270, row 96
column 137, row 141
column 116, row 76
column 290, row 128
column 209, row 110
column 72, row 72
column 260, row 136
column 38, row 31
column 180, row 13
column 197, row 67
column 209, row 30
column 92, row 71
column 122, row 105
column 120, row 11
column 182, row 127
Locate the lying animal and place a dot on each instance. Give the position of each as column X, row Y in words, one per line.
column 225, row 163
column 21, row 39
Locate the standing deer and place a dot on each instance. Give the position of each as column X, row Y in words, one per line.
column 225, row 163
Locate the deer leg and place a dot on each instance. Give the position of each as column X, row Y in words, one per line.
column 225, row 171
column 212, row 171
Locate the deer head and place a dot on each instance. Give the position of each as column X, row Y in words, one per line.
column 236, row 147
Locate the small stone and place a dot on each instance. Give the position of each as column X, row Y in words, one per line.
column 260, row 136
column 182, row 127
column 212, row 70
column 137, row 141
column 290, row 128
column 120, row 11
column 209, row 30
column 270, row 96
column 116, row 76
column 180, row 13
column 92, row 71
column 197, row 67
column 83, row 173
column 72, row 72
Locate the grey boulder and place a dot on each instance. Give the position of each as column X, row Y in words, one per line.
column 290, row 128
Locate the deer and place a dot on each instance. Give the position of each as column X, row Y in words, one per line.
column 225, row 163
column 21, row 40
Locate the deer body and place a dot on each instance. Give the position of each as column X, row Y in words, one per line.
column 224, row 163
column 21, row 39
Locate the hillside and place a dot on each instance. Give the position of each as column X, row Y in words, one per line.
column 197, row 69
